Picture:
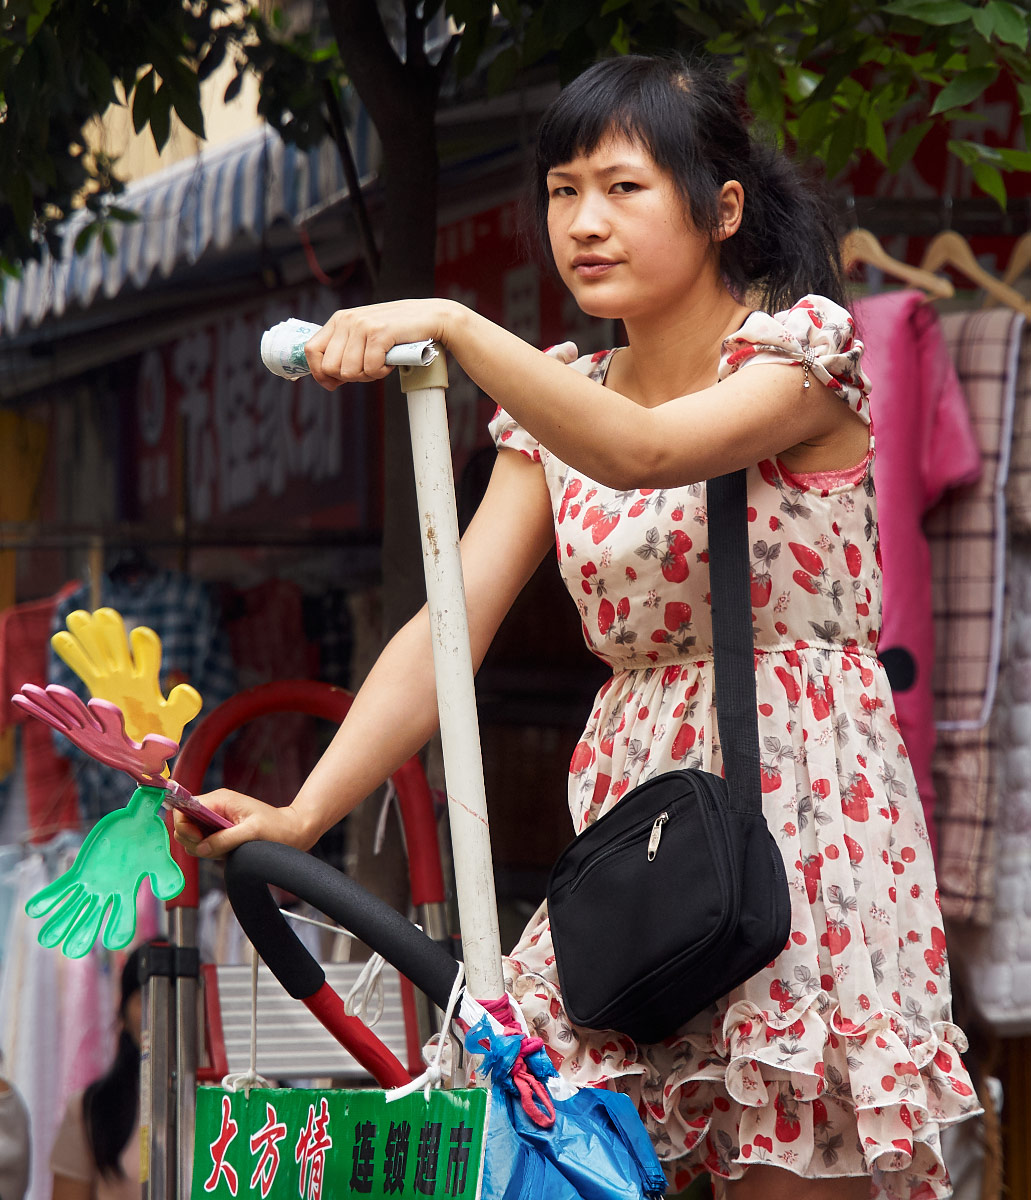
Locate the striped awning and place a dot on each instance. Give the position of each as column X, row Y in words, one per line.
column 197, row 205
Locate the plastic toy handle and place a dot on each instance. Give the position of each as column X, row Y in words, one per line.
column 176, row 796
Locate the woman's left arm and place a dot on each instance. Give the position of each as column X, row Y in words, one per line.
column 752, row 415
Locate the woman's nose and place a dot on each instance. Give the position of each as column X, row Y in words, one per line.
column 589, row 218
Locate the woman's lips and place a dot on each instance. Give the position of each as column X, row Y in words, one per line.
column 592, row 269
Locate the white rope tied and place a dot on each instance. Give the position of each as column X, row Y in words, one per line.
column 365, row 999
column 234, row 1081
column 433, row 1075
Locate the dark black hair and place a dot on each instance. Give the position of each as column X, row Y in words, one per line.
column 111, row 1103
column 690, row 119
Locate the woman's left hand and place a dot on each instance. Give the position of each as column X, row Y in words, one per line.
column 352, row 345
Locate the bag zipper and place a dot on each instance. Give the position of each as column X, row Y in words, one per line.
column 632, row 835
column 656, row 834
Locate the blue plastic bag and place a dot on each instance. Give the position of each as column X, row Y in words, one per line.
column 597, row 1149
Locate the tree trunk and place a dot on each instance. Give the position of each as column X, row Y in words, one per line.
column 401, row 99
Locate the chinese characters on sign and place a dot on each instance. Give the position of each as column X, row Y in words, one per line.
column 293, row 1144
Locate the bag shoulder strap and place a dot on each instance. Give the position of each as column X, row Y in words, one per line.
column 733, row 649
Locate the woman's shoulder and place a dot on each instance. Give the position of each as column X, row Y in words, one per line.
column 71, row 1154
column 816, row 333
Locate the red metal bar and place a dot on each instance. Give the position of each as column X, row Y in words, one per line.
column 380, row 1062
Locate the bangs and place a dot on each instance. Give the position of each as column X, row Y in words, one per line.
column 650, row 101
column 581, row 128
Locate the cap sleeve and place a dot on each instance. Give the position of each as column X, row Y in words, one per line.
column 814, row 323
column 508, row 434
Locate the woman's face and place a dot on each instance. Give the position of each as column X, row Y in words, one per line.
column 621, row 236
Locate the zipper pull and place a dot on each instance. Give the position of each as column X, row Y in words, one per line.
column 653, row 840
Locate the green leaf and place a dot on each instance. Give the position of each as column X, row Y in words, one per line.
column 187, row 106
column 98, row 76
column 1015, row 160
column 931, row 12
column 755, row 10
column 813, row 123
column 620, row 40
column 905, row 145
column 1011, row 24
column 611, row 6
column 842, row 144
column 1024, row 92
column 19, row 196
column 502, row 71
column 233, row 89
column 108, row 240
column 116, row 213
column 964, row 89
column 841, row 66
column 160, row 118
column 981, row 53
column 966, row 152
column 984, row 22
column 142, row 101
column 990, row 181
column 86, row 235
column 40, row 12
column 876, row 138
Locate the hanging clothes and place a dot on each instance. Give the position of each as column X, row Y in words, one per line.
column 925, row 446
column 194, row 650
column 996, row 958
column 30, row 1024
column 14, row 1144
column 268, row 641
column 967, row 535
column 50, row 794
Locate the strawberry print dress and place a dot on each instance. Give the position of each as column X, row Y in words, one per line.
column 840, row 1058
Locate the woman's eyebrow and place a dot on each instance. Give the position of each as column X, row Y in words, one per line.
column 614, row 169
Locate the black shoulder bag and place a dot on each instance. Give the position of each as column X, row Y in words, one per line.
column 678, row 894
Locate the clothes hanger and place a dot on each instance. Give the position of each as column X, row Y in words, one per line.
column 1020, row 259
column 860, row 246
column 951, row 249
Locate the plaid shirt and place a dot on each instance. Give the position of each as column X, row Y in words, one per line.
column 967, row 535
column 194, row 650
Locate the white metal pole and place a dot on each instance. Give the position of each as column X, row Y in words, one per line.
column 452, row 664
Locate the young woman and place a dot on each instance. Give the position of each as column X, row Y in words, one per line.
column 96, row 1153
column 839, row 1061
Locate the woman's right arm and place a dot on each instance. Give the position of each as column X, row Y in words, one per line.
column 395, row 711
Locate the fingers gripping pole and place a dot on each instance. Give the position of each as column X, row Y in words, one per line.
column 452, row 663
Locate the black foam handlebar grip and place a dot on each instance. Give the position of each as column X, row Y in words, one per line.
column 254, row 866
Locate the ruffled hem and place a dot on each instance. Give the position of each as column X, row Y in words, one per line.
column 814, row 1093
column 808, row 1090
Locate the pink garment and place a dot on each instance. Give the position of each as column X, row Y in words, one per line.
column 925, row 446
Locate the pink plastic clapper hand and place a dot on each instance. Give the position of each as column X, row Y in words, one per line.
column 98, row 728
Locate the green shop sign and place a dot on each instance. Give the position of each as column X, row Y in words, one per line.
column 294, row 1144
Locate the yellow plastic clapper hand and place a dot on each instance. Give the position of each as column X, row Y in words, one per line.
column 126, row 670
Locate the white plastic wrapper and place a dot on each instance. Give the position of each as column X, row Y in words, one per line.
column 282, row 350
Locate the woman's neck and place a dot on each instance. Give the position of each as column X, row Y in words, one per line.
column 676, row 353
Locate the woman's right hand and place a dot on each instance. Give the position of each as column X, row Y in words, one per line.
column 253, row 820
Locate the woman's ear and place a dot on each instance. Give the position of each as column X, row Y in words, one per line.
column 731, row 206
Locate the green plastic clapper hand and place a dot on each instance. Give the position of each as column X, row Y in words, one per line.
column 120, row 851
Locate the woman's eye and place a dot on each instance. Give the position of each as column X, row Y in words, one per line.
column 562, row 190
column 625, row 186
